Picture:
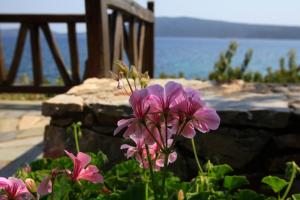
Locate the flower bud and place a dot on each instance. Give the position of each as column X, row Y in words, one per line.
column 144, row 79
column 30, row 184
column 134, row 72
column 122, row 68
column 180, row 195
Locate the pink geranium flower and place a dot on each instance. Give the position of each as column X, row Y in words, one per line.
column 45, row 186
column 140, row 106
column 14, row 189
column 165, row 98
column 82, row 171
column 193, row 114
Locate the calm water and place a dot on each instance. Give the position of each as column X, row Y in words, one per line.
column 193, row 56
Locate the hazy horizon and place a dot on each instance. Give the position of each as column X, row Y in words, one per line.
column 282, row 13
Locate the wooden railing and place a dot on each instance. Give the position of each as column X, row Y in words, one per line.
column 114, row 28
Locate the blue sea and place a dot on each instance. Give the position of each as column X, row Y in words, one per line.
column 195, row 57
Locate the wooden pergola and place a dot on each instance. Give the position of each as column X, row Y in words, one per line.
column 113, row 27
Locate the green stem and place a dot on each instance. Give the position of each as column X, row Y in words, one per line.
column 129, row 84
column 164, row 175
column 146, row 190
column 293, row 176
column 196, row 156
column 151, row 172
column 75, row 132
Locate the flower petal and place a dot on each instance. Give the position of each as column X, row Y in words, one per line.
column 188, row 131
column 122, row 124
column 91, row 173
column 84, row 159
column 207, row 119
column 45, row 186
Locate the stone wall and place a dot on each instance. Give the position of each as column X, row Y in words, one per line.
column 259, row 132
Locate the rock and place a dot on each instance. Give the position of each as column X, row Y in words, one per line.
column 278, row 164
column 236, row 147
column 62, row 104
column 294, row 88
column 57, row 140
column 280, row 89
column 287, row 141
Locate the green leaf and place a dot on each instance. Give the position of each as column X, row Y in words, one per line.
column 296, row 196
column 234, row 182
column 199, row 196
column 219, row 171
column 246, row 194
column 275, row 183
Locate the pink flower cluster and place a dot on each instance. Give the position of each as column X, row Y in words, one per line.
column 161, row 114
column 16, row 189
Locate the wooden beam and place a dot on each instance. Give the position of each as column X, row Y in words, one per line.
column 36, row 55
column 133, row 46
column 148, row 61
column 17, row 54
column 56, row 54
column 40, row 18
column 74, row 57
column 132, row 8
column 34, row 89
column 98, row 63
column 2, row 62
column 141, row 46
column 118, row 39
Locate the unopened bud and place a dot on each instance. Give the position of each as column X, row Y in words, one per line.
column 30, row 184
column 122, row 67
column 134, row 72
column 180, row 195
column 144, row 79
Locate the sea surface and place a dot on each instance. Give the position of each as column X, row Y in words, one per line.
column 195, row 57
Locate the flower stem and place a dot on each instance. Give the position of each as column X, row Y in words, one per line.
column 164, row 175
column 129, row 84
column 75, row 132
column 151, row 172
column 196, row 156
column 293, row 176
column 146, row 190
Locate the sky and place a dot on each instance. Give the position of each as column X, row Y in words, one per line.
column 273, row 12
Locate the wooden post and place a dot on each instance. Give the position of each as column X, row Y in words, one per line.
column 36, row 55
column 73, row 52
column 11, row 75
column 148, row 61
column 133, row 51
column 2, row 63
column 98, row 47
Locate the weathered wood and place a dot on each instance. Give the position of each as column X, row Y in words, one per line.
column 133, row 46
column 118, row 39
column 126, row 40
column 98, row 64
column 74, row 57
column 141, row 46
column 38, row 18
column 148, row 61
column 36, row 54
column 132, row 8
column 17, row 54
column 56, row 54
column 34, row 89
column 2, row 62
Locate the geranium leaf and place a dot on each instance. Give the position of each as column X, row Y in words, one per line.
column 275, row 183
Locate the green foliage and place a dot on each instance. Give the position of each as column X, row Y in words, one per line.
column 275, row 183
column 163, row 75
column 289, row 74
column 127, row 180
column 234, row 182
column 224, row 72
column 223, row 69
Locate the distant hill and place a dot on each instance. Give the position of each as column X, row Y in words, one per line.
column 192, row 27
